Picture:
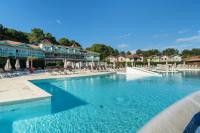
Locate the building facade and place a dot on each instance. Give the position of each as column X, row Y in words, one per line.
column 20, row 50
column 57, row 52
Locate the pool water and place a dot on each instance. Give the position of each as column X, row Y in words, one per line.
column 101, row 104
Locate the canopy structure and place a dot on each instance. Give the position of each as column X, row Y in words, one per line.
column 17, row 64
column 8, row 66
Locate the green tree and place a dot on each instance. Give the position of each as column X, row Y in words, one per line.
column 128, row 53
column 123, row 53
column 50, row 37
column 1, row 32
column 139, row 51
column 170, row 51
column 37, row 35
column 186, row 53
column 103, row 49
column 64, row 41
column 116, row 52
column 195, row 52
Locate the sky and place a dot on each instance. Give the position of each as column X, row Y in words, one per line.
column 122, row 24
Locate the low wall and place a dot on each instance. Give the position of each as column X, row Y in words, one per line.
column 175, row 118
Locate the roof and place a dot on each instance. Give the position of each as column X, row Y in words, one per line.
column 19, row 44
column 74, row 46
column 193, row 59
column 133, row 56
column 91, row 52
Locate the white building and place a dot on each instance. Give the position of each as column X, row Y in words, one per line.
column 164, row 58
column 175, row 58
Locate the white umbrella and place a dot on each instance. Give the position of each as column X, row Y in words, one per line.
column 149, row 62
column 114, row 65
column 77, row 64
column 105, row 65
column 72, row 64
column 8, row 66
column 65, row 63
column 17, row 64
column 81, row 64
column 27, row 63
column 91, row 64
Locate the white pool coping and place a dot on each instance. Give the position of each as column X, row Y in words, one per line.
column 19, row 89
column 175, row 118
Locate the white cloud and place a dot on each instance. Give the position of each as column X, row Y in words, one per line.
column 126, row 35
column 122, row 46
column 183, row 31
column 183, row 46
column 161, row 35
column 58, row 21
column 192, row 39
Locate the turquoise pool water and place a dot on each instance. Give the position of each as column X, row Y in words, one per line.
column 101, row 104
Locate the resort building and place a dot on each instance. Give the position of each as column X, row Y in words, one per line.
column 111, row 59
column 154, row 58
column 48, row 54
column 134, row 58
column 194, row 60
column 175, row 58
column 121, row 59
column 19, row 50
column 56, row 54
column 25, row 53
column 164, row 58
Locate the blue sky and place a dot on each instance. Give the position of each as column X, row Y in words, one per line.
column 123, row 24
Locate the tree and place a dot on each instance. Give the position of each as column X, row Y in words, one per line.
column 170, row 51
column 116, row 53
column 122, row 53
column 103, row 49
column 64, row 41
column 139, row 51
column 195, row 52
column 1, row 32
column 186, row 53
column 50, row 37
column 37, row 35
column 128, row 53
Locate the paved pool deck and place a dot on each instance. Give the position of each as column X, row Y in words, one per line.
column 19, row 89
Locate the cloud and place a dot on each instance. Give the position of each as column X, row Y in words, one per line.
column 58, row 21
column 126, row 35
column 183, row 46
column 161, row 35
column 122, row 46
column 183, row 31
column 192, row 39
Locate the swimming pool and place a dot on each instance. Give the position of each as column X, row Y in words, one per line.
column 108, row 103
